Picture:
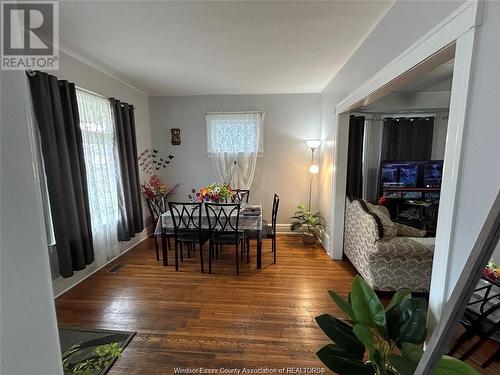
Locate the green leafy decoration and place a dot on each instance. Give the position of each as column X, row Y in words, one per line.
column 340, row 361
column 341, row 334
column 412, row 352
column 398, row 297
column 402, row 365
column 342, row 304
column 365, row 336
column 367, row 308
column 452, row 366
column 406, row 322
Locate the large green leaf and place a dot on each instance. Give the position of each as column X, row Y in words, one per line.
column 343, row 304
column 341, row 334
column 339, row 360
column 406, row 321
column 402, row 365
column 367, row 308
column 365, row 336
column 398, row 297
column 452, row 366
column 412, row 352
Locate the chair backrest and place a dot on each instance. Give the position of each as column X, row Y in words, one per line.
column 240, row 196
column 157, row 206
column 223, row 217
column 274, row 216
column 186, row 217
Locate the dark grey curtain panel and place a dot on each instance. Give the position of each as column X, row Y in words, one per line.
column 407, row 138
column 56, row 114
column 354, row 187
column 131, row 220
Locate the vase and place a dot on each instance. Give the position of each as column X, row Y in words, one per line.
column 308, row 238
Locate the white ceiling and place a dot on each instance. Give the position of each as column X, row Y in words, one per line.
column 201, row 48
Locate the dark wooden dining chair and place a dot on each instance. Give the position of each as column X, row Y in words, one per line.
column 240, row 196
column 188, row 230
column 223, row 222
column 481, row 318
column 157, row 206
column 268, row 229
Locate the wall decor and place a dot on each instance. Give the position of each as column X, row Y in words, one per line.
column 175, row 136
column 151, row 161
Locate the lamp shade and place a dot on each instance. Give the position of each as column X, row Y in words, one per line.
column 313, row 169
column 313, row 143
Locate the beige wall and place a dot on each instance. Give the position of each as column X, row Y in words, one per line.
column 288, row 122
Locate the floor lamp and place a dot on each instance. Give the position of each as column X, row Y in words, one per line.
column 313, row 144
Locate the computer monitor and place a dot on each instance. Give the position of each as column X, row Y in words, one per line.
column 399, row 174
column 433, row 173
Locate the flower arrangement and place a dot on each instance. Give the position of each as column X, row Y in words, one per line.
column 492, row 271
column 215, row 193
column 157, row 186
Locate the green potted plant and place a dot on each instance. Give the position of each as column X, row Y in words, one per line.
column 308, row 223
column 392, row 337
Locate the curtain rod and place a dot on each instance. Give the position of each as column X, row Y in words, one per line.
column 234, row 113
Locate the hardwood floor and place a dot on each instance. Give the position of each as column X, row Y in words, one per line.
column 260, row 319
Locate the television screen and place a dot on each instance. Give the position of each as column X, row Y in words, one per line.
column 399, row 174
column 433, row 173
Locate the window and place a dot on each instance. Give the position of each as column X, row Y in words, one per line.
column 233, row 133
column 99, row 148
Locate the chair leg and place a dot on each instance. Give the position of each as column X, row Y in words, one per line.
column 473, row 348
column 189, row 250
column 237, row 261
column 201, row 258
column 495, row 357
column 467, row 335
column 156, row 248
column 274, row 248
column 176, row 255
column 210, row 254
column 181, row 251
column 248, row 252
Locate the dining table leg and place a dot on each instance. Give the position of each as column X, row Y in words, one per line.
column 259, row 249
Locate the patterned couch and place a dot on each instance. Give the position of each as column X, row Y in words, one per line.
column 389, row 256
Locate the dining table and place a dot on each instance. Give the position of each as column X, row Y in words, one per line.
column 250, row 219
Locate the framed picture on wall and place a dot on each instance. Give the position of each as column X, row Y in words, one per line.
column 175, row 136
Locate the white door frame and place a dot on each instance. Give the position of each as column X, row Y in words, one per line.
column 454, row 36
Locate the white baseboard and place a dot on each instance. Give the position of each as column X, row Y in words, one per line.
column 284, row 228
column 61, row 285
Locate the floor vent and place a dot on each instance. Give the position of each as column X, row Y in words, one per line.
column 116, row 268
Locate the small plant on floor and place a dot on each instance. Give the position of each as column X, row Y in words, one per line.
column 308, row 223
column 98, row 360
column 392, row 337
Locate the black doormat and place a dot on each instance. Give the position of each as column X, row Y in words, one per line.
column 89, row 339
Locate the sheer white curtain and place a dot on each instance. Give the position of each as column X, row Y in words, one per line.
column 234, row 140
column 96, row 122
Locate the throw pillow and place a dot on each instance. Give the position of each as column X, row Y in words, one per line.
column 388, row 227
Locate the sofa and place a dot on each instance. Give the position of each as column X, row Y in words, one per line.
column 388, row 255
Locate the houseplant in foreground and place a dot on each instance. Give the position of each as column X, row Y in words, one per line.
column 392, row 336
column 308, row 223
